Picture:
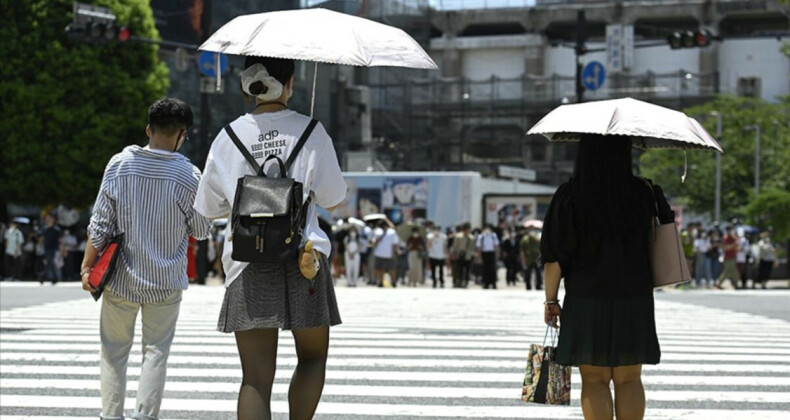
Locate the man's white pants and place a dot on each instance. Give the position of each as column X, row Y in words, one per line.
column 117, row 335
column 352, row 268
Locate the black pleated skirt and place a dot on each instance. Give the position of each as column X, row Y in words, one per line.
column 608, row 332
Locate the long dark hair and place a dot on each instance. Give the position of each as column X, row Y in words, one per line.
column 611, row 200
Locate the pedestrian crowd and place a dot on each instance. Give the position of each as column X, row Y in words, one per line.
column 378, row 253
column 738, row 254
column 43, row 251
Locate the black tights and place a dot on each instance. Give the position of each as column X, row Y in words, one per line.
column 258, row 353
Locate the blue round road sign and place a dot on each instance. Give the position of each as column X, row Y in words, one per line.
column 207, row 63
column 593, row 75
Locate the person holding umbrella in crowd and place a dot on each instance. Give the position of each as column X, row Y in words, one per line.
column 596, row 236
column 256, row 304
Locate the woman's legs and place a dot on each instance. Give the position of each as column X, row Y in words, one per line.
column 596, row 398
column 258, row 353
column 629, row 394
column 307, row 383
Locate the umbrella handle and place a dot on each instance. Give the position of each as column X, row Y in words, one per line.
column 312, row 101
column 685, row 168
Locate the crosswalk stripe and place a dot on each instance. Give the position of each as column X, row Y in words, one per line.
column 408, row 391
column 437, row 356
column 209, row 345
column 426, row 349
column 724, row 379
column 502, row 412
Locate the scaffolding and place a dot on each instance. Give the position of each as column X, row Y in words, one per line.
column 462, row 124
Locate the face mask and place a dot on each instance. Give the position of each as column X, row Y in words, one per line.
column 414, row 235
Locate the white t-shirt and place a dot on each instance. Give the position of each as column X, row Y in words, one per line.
column 437, row 242
column 702, row 245
column 316, row 167
column 389, row 238
column 744, row 246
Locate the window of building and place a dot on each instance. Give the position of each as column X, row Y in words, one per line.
column 750, row 87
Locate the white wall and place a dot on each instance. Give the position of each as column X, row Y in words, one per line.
column 562, row 60
column 505, row 63
column 755, row 58
column 663, row 59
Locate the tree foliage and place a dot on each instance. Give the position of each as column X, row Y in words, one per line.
column 68, row 107
column 697, row 193
column 771, row 209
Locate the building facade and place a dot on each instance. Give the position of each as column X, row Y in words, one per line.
column 504, row 68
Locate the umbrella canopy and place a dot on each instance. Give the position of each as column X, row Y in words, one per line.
column 376, row 216
column 319, row 35
column 353, row 221
column 534, row 223
column 650, row 126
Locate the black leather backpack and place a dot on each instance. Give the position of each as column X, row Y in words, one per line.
column 268, row 216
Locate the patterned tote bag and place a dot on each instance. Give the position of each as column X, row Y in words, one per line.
column 546, row 382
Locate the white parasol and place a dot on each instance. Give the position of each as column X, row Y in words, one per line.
column 318, row 35
column 650, row 126
column 376, row 216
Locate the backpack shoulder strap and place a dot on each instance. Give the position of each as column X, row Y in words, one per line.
column 300, row 143
column 242, row 149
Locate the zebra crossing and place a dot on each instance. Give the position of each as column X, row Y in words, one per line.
column 400, row 354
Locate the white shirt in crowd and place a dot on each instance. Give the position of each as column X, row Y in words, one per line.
column 487, row 242
column 365, row 235
column 389, row 238
column 69, row 242
column 701, row 245
column 14, row 239
column 743, row 248
column 437, row 243
column 352, row 242
column 316, row 167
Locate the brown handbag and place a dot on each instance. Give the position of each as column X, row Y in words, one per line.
column 667, row 260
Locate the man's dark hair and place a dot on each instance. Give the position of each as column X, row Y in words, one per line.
column 280, row 68
column 169, row 115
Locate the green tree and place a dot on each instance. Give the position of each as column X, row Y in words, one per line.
column 68, row 107
column 697, row 193
column 771, row 209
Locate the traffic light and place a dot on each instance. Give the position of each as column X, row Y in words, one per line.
column 96, row 24
column 98, row 32
column 689, row 39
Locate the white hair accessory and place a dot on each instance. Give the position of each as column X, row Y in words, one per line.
column 272, row 88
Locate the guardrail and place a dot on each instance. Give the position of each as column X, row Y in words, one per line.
column 529, row 88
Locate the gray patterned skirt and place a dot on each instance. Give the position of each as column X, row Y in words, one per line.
column 274, row 295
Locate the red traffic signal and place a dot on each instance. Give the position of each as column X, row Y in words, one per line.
column 124, row 34
column 688, row 39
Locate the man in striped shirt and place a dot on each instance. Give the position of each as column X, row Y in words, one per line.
column 147, row 194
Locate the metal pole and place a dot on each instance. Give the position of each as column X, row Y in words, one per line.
column 717, row 203
column 312, row 97
column 581, row 37
column 718, row 169
column 205, row 125
column 757, row 160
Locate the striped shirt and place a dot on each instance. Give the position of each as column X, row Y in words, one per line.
column 148, row 196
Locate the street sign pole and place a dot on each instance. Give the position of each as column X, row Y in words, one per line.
column 581, row 36
column 205, row 124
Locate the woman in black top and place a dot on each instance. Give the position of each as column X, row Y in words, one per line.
column 595, row 235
